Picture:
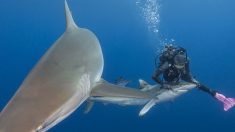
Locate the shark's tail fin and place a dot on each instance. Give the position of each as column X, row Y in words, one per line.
column 228, row 102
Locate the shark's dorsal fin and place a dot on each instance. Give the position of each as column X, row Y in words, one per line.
column 70, row 24
column 143, row 84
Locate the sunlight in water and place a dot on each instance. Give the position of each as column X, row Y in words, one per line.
column 150, row 10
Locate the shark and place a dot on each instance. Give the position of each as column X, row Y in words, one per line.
column 154, row 94
column 60, row 82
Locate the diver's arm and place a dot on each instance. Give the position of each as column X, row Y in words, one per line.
column 162, row 67
column 188, row 77
column 156, row 76
column 206, row 89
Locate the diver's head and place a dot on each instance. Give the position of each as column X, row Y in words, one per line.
column 170, row 50
column 180, row 60
column 169, row 47
column 181, row 51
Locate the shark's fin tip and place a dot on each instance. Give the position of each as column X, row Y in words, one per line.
column 70, row 24
column 143, row 84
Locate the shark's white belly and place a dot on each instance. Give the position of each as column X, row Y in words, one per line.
column 120, row 100
column 170, row 95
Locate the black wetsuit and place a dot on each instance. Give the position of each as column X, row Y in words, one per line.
column 172, row 75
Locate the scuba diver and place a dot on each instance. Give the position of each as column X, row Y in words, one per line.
column 174, row 67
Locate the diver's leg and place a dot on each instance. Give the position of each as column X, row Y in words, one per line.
column 228, row 102
column 206, row 89
column 188, row 78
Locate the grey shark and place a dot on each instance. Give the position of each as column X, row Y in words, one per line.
column 60, row 82
column 153, row 95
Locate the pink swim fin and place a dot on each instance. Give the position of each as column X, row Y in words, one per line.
column 228, row 102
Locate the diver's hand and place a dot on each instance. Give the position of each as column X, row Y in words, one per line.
column 196, row 82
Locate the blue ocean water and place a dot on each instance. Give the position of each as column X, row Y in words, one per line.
column 130, row 32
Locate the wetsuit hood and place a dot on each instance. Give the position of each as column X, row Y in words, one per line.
column 179, row 61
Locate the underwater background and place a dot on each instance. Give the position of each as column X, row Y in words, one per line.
column 131, row 33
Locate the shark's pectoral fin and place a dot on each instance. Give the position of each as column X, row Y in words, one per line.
column 89, row 106
column 105, row 89
column 147, row 107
